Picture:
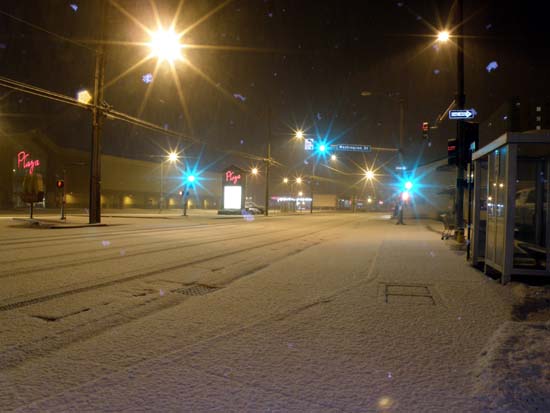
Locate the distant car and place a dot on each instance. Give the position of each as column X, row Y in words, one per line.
column 254, row 209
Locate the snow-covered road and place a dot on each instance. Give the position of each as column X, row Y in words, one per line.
column 336, row 312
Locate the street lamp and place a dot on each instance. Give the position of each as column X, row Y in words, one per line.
column 299, row 180
column 333, row 157
column 299, row 134
column 369, row 175
column 83, row 96
column 172, row 157
column 285, row 180
column 443, row 36
column 254, row 171
column 165, row 45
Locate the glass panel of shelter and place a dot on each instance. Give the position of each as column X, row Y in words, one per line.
column 531, row 204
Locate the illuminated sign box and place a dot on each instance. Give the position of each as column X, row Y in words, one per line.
column 232, row 190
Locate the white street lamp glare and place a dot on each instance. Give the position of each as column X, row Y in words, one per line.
column 299, row 134
column 173, row 156
column 369, row 175
column 165, row 45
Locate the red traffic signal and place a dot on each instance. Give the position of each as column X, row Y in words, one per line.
column 425, row 129
column 60, row 183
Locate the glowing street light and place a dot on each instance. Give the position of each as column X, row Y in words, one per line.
column 285, row 180
column 298, row 180
column 408, row 185
column 299, row 134
column 254, row 171
column 369, row 175
column 83, row 96
column 322, row 148
column 332, row 157
column 173, row 157
column 300, row 193
column 165, row 45
column 443, row 36
column 191, row 179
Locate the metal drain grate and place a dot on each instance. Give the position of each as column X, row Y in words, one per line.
column 197, row 289
column 408, row 294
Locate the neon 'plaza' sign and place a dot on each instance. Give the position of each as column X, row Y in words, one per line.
column 230, row 176
column 24, row 162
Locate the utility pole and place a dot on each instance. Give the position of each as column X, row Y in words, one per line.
column 97, row 121
column 461, row 102
column 401, row 123
column 311, row 183
column 268, row 159
column 267, row 165
column 161, row 195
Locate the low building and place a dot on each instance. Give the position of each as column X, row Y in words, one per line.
column 125, row 183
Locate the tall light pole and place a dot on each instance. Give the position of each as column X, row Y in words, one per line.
column 460, row 100
column 164, row 45
column 97, row 121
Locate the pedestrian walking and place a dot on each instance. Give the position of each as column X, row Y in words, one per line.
column 401, row 206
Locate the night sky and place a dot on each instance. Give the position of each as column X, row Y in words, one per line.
column 306, row 60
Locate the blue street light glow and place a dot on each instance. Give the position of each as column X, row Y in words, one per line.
column 191, row 178
column 322, row 148
column 408, row 185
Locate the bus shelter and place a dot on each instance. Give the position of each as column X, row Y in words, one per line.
column 510, row 205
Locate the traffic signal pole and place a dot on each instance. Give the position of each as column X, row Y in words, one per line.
column 461, row 102
column 63, row 196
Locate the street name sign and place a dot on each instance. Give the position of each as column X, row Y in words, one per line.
column 348, row 147
column 309, row 144
column 462, row 114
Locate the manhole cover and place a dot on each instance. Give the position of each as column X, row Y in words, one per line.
column 408, row 294
column 197, row 289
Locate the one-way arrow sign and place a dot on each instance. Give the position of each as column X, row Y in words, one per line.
column 462, row 114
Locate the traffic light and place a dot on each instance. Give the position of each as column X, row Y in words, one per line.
column 60, row 183
column 452, row 151
column 471, row 142
column 425, row 129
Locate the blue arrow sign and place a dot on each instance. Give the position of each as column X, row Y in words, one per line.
column 462, row 114
column 348, row 147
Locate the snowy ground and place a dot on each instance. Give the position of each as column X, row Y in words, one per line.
column 330, row 312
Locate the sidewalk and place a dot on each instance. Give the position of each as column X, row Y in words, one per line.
column 399, row 322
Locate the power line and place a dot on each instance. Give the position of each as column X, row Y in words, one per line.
column 53, row 34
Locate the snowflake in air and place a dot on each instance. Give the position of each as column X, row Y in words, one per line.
column 492, row 66
column 147, row 78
